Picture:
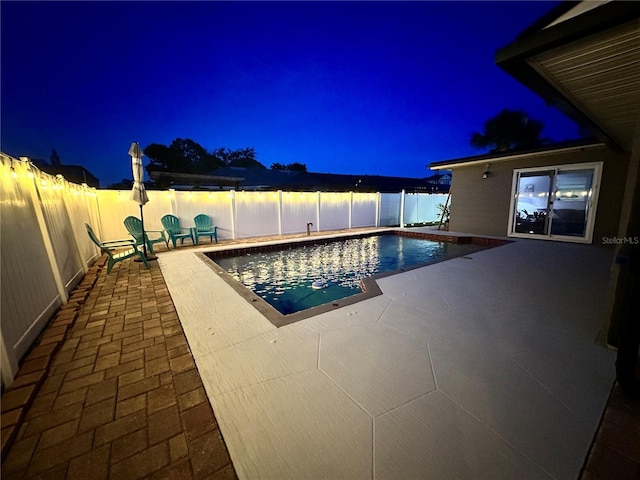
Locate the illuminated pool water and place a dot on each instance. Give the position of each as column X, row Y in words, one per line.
column 299, row 278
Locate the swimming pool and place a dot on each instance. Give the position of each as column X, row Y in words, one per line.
column 300, row 277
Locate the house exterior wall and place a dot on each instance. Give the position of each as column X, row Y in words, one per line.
column 481, row 206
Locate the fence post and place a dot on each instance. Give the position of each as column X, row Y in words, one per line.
column 232, row 196
column 174, row 202
column 350, row 209
column 279, row 212
column 318, row 197
column 402, row 209
column 378, row 200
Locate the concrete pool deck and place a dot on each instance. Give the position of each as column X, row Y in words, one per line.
column 477, row 367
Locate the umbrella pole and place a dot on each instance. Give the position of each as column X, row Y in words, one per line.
column 144, row 235
column 149, row 257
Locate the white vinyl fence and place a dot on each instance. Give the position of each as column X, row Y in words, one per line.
column 240, row 214
column 45, row 249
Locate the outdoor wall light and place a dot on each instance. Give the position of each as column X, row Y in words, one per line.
column 486, row 173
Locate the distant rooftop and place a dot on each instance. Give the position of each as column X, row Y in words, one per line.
column 266, row 179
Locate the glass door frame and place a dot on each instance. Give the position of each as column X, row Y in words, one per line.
column 592, row 202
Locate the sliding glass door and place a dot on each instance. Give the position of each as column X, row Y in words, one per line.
column 533, row 202
column 556, row 202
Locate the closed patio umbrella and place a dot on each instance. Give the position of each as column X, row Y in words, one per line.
column 138, row 193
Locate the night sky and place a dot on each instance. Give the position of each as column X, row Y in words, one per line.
column 379, row 88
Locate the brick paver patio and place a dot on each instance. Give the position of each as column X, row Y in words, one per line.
column 111, row 390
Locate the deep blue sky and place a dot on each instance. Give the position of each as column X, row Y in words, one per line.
column 363, row 87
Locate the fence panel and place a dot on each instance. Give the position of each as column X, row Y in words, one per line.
column 160, row 203
column 82, row 207
column 364, row 208
column 410, row 209
column 428, row 207
column 422, row 208
column 256, row 214
column 390, row 209
column 116, row 205
column 186, row 205
column 218, row 205
column 28, row 291
column 298, row 209
column 334, row 210
column 51, row 193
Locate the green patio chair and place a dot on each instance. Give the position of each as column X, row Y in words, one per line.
column 134, row 227
column 114, row 249
column 171, row 225
column 204, row 228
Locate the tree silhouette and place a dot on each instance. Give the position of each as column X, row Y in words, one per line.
column 192, row 156
column 161, row 158
column 508, row 131
column 182, row 156
column 291, row 167
column 186, row 156
column 244, row 157
column 297, row 167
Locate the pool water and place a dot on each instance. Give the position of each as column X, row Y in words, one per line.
column 303, row 277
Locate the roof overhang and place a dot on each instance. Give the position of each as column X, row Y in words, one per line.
column 510, row 156
column 584, row 58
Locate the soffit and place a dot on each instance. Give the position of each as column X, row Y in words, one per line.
column 576, row 10
column 600, row 75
